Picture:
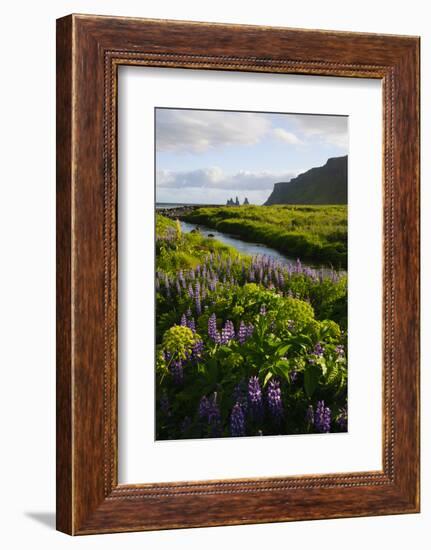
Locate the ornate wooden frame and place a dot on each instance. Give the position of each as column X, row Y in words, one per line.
column 89, row 51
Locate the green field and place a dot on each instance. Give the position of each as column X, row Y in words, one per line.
column 314, row 233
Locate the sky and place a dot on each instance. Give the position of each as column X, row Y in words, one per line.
column 207, row 157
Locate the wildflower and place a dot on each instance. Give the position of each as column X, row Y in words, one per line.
column 318, row 350
column 255, row 397
column 183, row 322
column 339, row 350
column 242, row 333
column 179, row 342
column 240, row 395
column 198, row 350
column 237, row 421
column 322, row 418
column 213, row 333
column 275, row 403
column 262, row 310
column 209, row 412
column 250, row 330
column 228, row 332
column 191, row 324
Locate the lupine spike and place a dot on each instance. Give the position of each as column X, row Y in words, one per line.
column 275, row 403
column 322, row 418
column 237, row 421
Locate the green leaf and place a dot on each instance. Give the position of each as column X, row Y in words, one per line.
column 267, row 378
column 283, row 349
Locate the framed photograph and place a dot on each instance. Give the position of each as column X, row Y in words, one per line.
column 237, row 274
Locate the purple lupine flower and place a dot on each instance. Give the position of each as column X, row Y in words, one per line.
column 275, row 403
column 197, row 297
column 209, row 411
column 281, row 279
column 183, row 321
column 242, row 333
column 322, row 418
column 255, row 397
column 339, row 350
column 181, row 278
column 198, row 305
column 198, row 350
column 342, row 419
column 213, row 333
column 228, row 332
column 191, row 292
column 178, row 286
column 177, row 371
column 237, row 421
column 240, row 395
column 250, row 330
column 318, row 349
column 190, row 323
column 262, row 310
column 309, row 415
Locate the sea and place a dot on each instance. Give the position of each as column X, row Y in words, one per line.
column 167, row 205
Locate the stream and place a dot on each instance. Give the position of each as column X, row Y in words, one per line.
column 252, row 249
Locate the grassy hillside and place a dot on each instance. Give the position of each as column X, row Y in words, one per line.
column 321, row 185
column 314, row 233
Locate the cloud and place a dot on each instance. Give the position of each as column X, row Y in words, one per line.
column 197, row 131
column 288, row 137
column 332, row 130
column 215, row 178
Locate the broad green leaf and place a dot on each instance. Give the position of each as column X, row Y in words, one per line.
column 283, row 349
column 267, row 378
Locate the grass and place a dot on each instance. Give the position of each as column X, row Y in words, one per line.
column 314, row 233
column 176, row 250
